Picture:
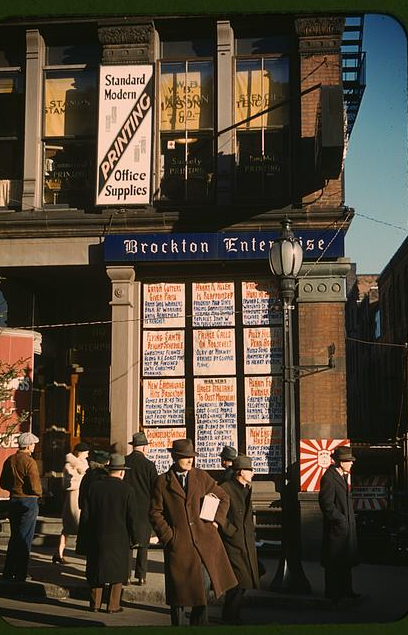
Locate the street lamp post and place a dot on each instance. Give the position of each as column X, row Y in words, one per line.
column 285, row 259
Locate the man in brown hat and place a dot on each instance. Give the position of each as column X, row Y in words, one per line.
column 141, row 476
column 339, row 546
column 194, row 556
column 238, row 535
column 107, row 533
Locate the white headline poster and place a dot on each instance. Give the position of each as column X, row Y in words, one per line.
column 213, row 304
column 263, row 350
column 215, row 403
column 263, row 400
column 164, row 402
column 260, row 303
column 164, row 304
column 163, row 353
column 214, row 352
column 264, row 446
column 160, row 441
column 125, row 134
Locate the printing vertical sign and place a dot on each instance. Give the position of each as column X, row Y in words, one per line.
column 125, row 135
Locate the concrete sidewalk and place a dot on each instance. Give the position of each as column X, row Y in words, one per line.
column 384, row 589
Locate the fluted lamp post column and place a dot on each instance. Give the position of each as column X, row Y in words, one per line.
column 285, row 259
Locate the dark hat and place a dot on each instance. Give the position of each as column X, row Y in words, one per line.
column 101, row 456
column 343, row 453
column 183, row 447
column 242, row 462
column 228, row 453
column 117, row 462
column 81, row 447
column 139, row 438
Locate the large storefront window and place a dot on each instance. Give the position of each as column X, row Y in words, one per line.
column 186, row 124
column 69, row 129
column 262, row 140
column 11, row 123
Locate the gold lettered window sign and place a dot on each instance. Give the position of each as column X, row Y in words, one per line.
column 186, row 96
column 70, row 104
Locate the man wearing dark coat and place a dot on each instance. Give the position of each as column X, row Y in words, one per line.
column 107, row 533
column 238, row 535
column 141, row 476
column 195, row 559
column 228, row 454
column 339, row 545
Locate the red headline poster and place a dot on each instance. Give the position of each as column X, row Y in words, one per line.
column 16, row 345
column 315, row 459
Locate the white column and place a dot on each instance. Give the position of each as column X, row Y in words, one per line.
column 32, row 180
column 122, row 379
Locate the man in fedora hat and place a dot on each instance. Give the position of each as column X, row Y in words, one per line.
column 238, row 535
column 20, row 477
column 141, row 476
column 194, row 556
column 228, row 454
column 339, row 546
column 107, row 533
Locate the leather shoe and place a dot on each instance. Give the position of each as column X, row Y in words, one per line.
column 141, row 581
column 119, row 610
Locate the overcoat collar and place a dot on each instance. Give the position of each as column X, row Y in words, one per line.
column 175, row 485
column 338, row 476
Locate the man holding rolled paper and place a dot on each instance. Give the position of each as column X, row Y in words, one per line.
column 185, row 520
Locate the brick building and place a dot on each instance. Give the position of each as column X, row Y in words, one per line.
column 139, row 248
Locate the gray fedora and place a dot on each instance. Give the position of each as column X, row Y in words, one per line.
column 27, row 438
column 228, row 453
column 139, row 438
column 117, row 462
column 343, row 453
column 242, row 462
column 183, row 447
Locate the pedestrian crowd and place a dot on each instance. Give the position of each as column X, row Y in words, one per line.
column 114, row 503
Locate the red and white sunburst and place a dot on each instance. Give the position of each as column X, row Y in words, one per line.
column 315, row 459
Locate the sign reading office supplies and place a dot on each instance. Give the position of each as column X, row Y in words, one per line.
column 125, row 135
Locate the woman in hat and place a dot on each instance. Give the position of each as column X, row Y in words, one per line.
column 76, row 465
column 339, row 546
column 238, row 535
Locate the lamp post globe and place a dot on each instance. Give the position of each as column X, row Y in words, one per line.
column 285, row 259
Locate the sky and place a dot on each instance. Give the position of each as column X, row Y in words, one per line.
column 376, row 163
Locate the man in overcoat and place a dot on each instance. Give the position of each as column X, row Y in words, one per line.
column 228, row 454
column 107, row 532
column 195, row 559
column 339, row 545
column 238, row 535
column 141, row 476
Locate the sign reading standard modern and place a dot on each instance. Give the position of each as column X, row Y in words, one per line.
column 217, row 246
column 125, row 135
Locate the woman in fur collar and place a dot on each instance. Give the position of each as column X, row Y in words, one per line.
column 76, row 465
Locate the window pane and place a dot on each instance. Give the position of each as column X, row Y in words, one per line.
column 70, row 103
column 73, row 54
column 259, row 45
column 276, row 89
column 258, row 89
column 11, row 104
column 69, row 174
column 249, row 163
column 187, row 167
column 186, row 96
column 10, row 173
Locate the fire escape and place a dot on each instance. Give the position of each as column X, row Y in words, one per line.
column 353, row 69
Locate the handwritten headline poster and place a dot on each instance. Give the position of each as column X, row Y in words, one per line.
column 160, row 440
column 163, row 353
column 213, row 304
column 164, row 304
column 215, row 403
column 164, row 402
column 263, row 400
column 260, row 303
column 264, row 446
column 214, row 352
column 262, row 350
